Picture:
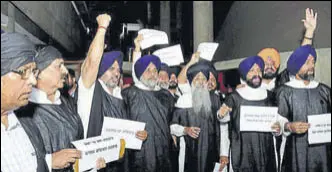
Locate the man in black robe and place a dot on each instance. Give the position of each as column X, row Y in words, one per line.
column 297, row 99
column 195, row 119
column 250, row 151
column 147, row 104
column 54, row 114
column 22, row 148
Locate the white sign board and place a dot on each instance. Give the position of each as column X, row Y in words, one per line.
column 320, row 128
column 97, row 147
column 258, row 118
column 172, row 56
column 207, row 50
column 124, row 129
column 152, row 37
column 217, row 166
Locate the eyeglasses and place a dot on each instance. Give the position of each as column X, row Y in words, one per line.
column 26, row 73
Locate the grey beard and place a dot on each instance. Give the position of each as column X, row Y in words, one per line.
column 149, row 83
column 163, row 85
column 201, row 100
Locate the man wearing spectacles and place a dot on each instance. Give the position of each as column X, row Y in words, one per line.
column 22, row 148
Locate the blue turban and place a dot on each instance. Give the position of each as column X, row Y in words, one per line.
column 46, row 56
column 197, row 68
column 212, row 68
column 247, row 64
column 299, row 57
column 164, row 67
column 16, row 50
column 142, row 63
column 108, row 59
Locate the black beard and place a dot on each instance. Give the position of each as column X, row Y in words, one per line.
column 307, row 77
column 251, row 84
column 173, row 85
column 269, row 75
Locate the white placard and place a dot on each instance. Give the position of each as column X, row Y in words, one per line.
column 217, row 166
column 152, row 37
column 258, row 118
column 124, row 129
column 207, row 50
column 97, row 147
column 172, row 56
column 320, row 128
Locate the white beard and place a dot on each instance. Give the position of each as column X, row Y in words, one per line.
column 201, row 99
column 149, row 83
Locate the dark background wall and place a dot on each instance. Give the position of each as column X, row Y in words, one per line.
column 251, row 26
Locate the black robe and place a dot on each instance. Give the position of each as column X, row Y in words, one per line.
column 102, row 105
column 202, row 153
column 296, row 104
column 59, row 125
column 35, row 137
column 152, row 108
column 250, row 151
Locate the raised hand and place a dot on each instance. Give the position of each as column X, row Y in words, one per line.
column 310, row 21
column 103, row 20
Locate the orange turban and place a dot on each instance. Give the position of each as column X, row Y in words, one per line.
column 270, row 53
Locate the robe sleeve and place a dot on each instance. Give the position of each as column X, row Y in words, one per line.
column 283, row 109
column 229, row 101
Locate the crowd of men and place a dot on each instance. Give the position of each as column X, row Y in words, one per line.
column 190, row 126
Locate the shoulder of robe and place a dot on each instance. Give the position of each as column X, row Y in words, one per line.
column 129, row 91
column 325, row 88
column 26, row 111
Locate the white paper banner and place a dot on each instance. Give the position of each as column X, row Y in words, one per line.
column 207, row 50
column 217, row 166
column 172, row 56
column 258, row 118
column 124, row 129
column 97, row 147
column 152, row 37
column 320, row 128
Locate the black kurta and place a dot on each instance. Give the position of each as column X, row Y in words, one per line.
column 59, row 125
column 102, row 105
column 202, row 153
column 152, row 108
column 250, row 151
column 35, row 137
column 296, row 104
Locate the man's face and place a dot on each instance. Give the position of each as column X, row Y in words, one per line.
column 54, row 75
column 200, row 81
column 150, row 76
column 163, row 81
column 70, row 81
column 112, row 76
column 16, row 88
column 212, row 83
column 254, row 76
column 173, row 82
column 307, row 71
column 270, row 71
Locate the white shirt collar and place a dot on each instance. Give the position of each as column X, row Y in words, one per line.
column 40, row 97
column 116, row 90
column 249, row 93
column 295, row 83
column 12, row 122
column 270, row 86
